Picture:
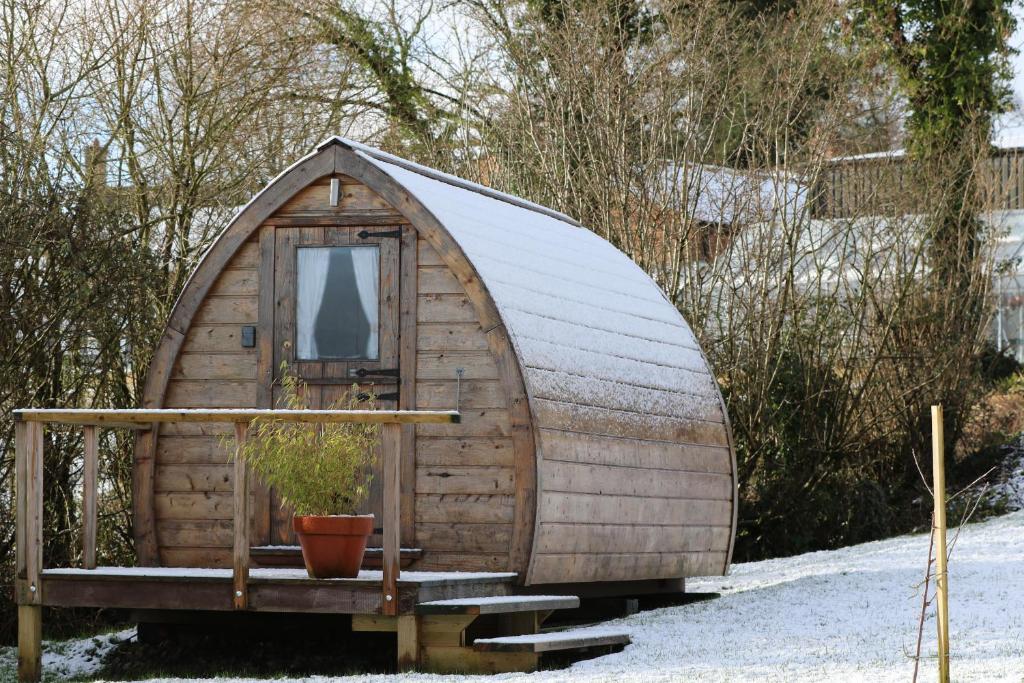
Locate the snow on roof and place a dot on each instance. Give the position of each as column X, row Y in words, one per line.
column 448, row 178
column 717, row 194
column 887, row 154
column 1004, row 140
column 590, row 326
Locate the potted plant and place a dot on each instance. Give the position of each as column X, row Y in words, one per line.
column 323, row 473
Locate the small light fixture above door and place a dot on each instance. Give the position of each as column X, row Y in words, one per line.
column 335, row 191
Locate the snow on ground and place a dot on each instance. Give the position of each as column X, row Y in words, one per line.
column 843, row 615
column 72, row 658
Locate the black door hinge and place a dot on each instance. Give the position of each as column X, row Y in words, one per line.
column 369, row 372
column 363, row 234
column 365, row 396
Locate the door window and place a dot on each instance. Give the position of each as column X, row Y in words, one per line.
column 337, row 307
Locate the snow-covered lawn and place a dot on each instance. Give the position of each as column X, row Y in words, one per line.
column 844, row 615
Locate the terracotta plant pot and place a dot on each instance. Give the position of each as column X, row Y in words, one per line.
column 333, row 547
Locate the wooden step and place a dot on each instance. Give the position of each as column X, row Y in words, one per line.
column 291, row 556
column 538, row 643
column 499, row 604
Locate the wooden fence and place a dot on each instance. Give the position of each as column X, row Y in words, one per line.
column 29, row 425
column 879, row 185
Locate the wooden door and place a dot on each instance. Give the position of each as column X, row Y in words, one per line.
column 336, row 323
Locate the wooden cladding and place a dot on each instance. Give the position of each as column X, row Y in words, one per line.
column 592, row 443
column 465, row 477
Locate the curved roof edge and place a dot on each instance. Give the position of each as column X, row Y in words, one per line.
column 440, row 176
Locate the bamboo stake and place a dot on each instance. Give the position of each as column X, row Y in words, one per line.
column 391, row 446
column 240, row 526
column 941, row 575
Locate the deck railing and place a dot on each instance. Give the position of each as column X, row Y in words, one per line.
column 29, row 425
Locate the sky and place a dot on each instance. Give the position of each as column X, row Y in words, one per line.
column 1010, row 128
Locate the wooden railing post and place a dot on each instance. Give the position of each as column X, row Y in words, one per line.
column 391, row 444
column 28, row 455
column 89, row 469
column 240, row 572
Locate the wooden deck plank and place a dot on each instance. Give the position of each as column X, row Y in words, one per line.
column 538, row 643
column 270, row 589
column 505, row 604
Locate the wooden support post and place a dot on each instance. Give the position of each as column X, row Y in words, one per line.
column 240, row 572
column 90, row 464
column 408, row 642
column 391, row 443
column 30, row 642
column 29, row 528
column 29, row 540
column 941, row 573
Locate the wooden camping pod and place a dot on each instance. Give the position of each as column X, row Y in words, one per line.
column 594, row 444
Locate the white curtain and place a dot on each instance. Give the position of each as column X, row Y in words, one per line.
column 366, row 265
column 312, row 269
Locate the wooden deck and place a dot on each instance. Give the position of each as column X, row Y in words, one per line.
column 270, row 589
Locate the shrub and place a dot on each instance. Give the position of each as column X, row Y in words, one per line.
column 316, row 469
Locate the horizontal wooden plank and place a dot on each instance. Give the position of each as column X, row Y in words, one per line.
column 475, row 422
column 445, row 308
column 236, row 282
column 210, row 394
column 198, row 450
column 365, row 218
column 239, row 310
column 561, row 641
column 195, row 429
column 591, row 420
column 438, row 560
column 634, row 481
column 442, row 394
column 443, row 365
column 629, row 452
column 453, row 452
column 427, row 255
column 193, row 505
column 505, row 604
column 318, row 598
column 215, row 339
column 215, row 366
column 465, row 480
column 317, row 196
column 450, row 337
column 572, row 568
column 437, row 280
column 465, row 508
column 63, row 591
column 195, row 557
column 484, row 538
column 247, row 256
column 609, row 509
column 559, row 537
column 199, row 533
column 193, row 478
column 229, row 415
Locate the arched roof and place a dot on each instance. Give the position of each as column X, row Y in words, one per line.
column 589, row 325
column 574, row 322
